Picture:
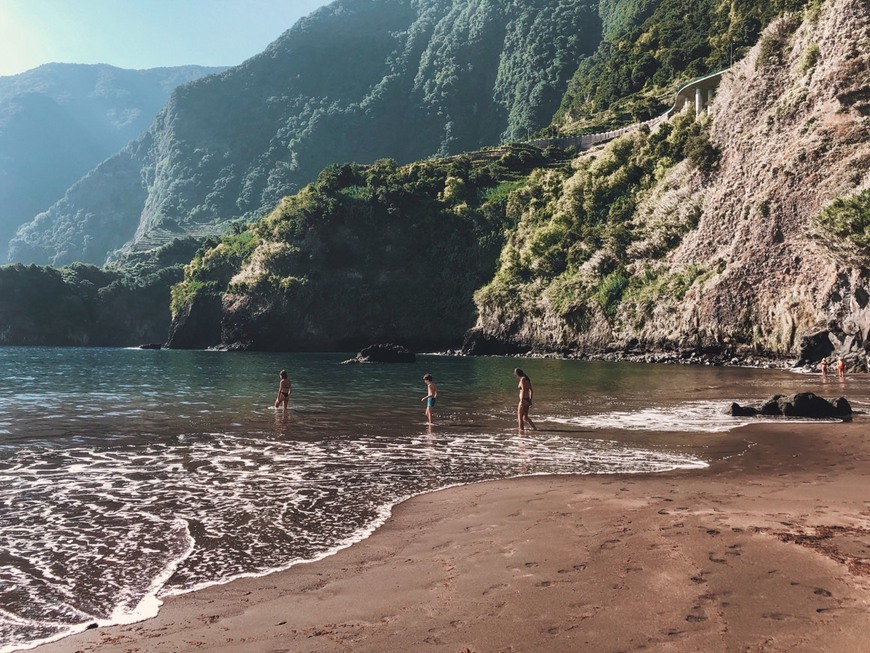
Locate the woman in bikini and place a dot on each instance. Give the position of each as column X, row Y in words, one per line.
column 526, row 392
column 285, row 388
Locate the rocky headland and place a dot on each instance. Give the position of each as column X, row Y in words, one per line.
column 760, row 268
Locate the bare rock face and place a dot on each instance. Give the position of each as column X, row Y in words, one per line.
column 793, row 138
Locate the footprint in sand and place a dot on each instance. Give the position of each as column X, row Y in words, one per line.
column 494, row 588
column 776, row 616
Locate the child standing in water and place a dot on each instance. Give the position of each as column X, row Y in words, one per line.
column 430, row 397
column 526, row 392
column 285, row 388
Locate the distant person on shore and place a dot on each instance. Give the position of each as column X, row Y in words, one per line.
column 823, row 366
column 431, row 396
column 841, row 368
column 526, row 393
column 285, row 389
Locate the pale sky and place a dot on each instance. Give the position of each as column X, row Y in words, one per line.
column 141, row 33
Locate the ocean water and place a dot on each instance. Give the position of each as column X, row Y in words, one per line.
column 127, row 475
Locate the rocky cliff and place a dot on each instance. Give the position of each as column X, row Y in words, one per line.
column 759, row 244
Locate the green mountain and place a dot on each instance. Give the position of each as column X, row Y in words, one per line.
column 58, row 121
column 743, row 230
column 357, row 81
column 739, row 231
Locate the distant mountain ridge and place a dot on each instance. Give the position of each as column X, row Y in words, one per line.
column 357, row 80
column 58, row 121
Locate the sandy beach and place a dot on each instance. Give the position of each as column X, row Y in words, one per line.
column 765, row 551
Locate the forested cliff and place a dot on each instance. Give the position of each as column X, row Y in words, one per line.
column 753, row 242
column 356, row 81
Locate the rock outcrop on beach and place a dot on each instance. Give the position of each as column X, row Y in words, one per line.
column 801, row 404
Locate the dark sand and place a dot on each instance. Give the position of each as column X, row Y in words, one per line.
column 767, row 551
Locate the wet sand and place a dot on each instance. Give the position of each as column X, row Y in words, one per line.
column 765, row 551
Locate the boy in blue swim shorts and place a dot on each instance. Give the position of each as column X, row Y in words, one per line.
column 430, row 397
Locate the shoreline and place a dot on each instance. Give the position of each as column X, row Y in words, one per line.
column 762, row 550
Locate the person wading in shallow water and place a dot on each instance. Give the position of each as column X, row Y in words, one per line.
column 285, row 389
column 526, row 392
column 430, row 398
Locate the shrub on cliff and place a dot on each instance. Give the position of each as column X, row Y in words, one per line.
column 574, row 246
column 845, row 225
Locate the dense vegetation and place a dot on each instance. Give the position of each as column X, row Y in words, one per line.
column 409, row 252
column 365, row 253
column 650, row 46
column 581, row 246
column 82, row 305
column 844, row 226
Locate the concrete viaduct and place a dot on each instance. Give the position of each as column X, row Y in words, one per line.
column 698, row 92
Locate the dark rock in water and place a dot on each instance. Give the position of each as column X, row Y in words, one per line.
column 807, row 404
column 152, row 345
column 737, row 410
column 843, row 407
column 384, row 354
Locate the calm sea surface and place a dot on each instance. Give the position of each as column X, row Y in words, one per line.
column 127, row 475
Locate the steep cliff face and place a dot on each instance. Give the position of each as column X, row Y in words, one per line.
column 356, row 81
column 733, row 254
column 793, row 124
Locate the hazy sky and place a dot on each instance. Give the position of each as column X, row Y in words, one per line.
column 141, row 33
